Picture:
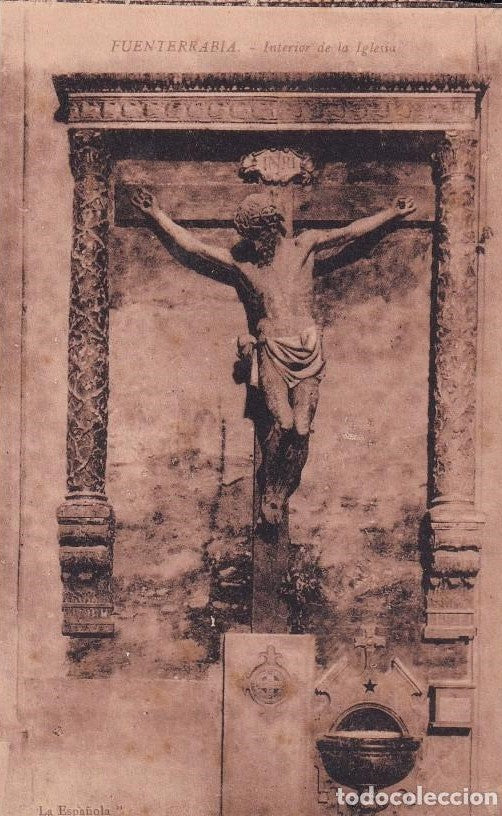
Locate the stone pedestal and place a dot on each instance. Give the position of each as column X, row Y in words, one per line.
column 268, row 688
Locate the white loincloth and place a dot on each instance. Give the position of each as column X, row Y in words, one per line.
column 295, row 357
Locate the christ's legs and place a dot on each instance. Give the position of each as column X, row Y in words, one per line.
column 275, row 391
column 273, row 469
column 285, row 448
column 304, row 399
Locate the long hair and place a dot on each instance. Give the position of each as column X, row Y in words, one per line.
column 259, row 220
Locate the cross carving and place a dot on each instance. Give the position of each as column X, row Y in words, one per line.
column 368, row 641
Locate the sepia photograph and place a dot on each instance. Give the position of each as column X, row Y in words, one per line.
column 251, row 433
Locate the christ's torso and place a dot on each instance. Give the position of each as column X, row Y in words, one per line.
column 283, row 289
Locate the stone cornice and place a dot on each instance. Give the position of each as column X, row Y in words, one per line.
column 270, row 100
column 68, row 84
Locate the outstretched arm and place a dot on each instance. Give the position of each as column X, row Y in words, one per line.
column 221, row 257
column 339, row 238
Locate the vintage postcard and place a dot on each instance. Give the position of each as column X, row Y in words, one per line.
column 251, row 430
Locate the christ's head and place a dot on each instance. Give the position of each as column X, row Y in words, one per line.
column 259, row 220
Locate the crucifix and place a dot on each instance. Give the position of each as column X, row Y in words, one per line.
column 271, row 269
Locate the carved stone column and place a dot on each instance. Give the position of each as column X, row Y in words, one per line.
column 86, row 522
column 455, row 527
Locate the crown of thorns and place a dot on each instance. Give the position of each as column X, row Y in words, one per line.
column 255, row 215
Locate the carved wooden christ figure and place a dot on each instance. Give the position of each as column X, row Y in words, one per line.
column 274, row 281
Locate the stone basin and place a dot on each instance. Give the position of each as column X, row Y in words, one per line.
column 359, row 759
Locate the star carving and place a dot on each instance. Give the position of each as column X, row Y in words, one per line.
column 370, row 685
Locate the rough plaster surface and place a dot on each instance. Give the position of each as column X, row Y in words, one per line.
column 141, row 726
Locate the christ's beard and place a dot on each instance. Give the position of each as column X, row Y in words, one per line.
column 265, row 247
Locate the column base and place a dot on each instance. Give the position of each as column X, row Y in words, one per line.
column 453, row 563
column 86, row 533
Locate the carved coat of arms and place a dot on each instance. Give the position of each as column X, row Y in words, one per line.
column 269, row 681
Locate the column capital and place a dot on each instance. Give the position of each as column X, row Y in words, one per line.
column 89, row 154
column 456, row 153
